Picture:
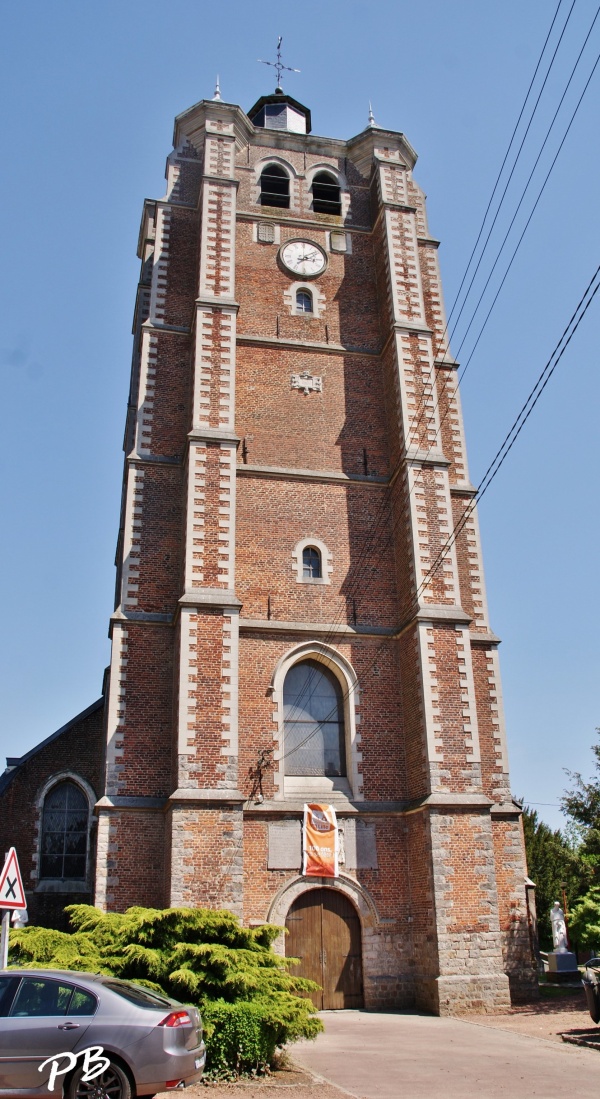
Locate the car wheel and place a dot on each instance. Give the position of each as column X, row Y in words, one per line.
column 113, row 1083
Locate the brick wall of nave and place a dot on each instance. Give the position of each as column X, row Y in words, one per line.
column 76, row 753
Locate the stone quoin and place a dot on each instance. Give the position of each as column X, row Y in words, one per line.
column 285, row 630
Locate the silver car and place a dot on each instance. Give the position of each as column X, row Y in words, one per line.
column 86, row 1036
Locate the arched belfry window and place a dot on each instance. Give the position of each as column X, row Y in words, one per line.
column 313, row 710
column 326, row 194
column 64, row 833
column 311, row 563
column 274, row 187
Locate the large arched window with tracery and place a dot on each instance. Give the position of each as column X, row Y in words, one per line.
column 64, row 833
column 313, row 710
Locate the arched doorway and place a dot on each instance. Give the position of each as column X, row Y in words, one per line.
column 324, row 933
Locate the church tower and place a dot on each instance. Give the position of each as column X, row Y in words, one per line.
column 284, row 631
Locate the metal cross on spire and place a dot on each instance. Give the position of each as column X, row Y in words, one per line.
column 278, row 65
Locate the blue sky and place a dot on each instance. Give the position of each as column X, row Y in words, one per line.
column 89, row 93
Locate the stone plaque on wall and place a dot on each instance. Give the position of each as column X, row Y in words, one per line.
column 360, row 845
column 285, row 845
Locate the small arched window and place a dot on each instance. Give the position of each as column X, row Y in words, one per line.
column 64, row 833
column 313, row 708
column 311, row 563
column 274, row 187
column 326, row 194
column 304, row 302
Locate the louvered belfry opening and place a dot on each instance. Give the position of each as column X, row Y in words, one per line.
column 274, row 187
column 326, row 194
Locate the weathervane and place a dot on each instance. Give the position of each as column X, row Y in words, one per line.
column 278, row 65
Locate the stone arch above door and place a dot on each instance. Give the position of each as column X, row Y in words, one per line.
column 359, row 897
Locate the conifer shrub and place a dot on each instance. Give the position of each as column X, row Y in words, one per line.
column 250, row 999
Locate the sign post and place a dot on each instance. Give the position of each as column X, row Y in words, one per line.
column 12, row 896
column 4, row 940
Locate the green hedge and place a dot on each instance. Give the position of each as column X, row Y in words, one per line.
column 240, row 1038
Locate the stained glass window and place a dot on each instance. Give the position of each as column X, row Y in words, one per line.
column 64, row 833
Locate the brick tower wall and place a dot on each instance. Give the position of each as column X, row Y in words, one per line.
column 230, row 467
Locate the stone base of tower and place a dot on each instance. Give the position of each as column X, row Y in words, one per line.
column 524, row 986
column 485, row 993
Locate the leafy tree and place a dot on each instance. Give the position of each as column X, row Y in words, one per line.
column 552, row 859
column 250, row 999
column 585, row 920
column 582, row 805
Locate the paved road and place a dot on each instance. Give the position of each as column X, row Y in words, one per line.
column 409, row 1056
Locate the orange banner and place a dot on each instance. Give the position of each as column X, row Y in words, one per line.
column 320, row 845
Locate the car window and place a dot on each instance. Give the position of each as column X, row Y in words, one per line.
column 82, row 1003
column 143, row 997
column 37, row 997
column 7, row 990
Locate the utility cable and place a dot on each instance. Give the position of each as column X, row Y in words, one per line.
column 518, row 155
column 519, row 423
column 518, row 245
column 509, row 147
column 537, row 160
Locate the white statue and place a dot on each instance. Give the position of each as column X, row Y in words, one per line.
column 559, row 929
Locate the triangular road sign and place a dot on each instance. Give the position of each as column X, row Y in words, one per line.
column 12, row 894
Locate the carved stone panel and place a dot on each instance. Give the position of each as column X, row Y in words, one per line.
column 306, row 382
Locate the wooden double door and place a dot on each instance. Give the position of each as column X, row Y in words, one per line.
column 324, row 933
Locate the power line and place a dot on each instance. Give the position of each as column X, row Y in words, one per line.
column 509, row 146
column 555, row 158
column 520, row 421
column 519, row 149
column 540, row 193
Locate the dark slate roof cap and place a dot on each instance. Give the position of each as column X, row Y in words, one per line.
column 281, row 97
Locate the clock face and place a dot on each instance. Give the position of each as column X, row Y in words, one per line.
column 302, row 257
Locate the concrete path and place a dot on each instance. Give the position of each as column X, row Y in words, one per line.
column 409, row 1056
